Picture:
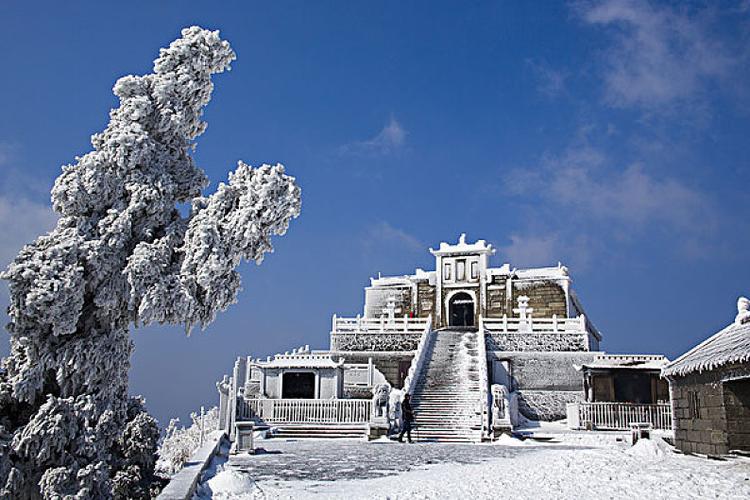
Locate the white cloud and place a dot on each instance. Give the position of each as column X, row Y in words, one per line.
column 21, row 221
column 550, row 81
column 384, row 234
column 23, row 214
column 532, row 250
column 547, row 248
column 578, row 204
column 390, row 139
column 659, row 55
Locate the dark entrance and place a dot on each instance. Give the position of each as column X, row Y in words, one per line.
column 737, row 408
column 298, row 385
column 403, row 371
column 461, row 310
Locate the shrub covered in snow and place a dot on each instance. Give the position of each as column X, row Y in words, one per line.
column 181, row 442
column 123, row 254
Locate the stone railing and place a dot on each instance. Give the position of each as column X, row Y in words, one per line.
column 537, row 325
column 618, row 416
column 417, row 362
column 378, row 325
column 484, row 381
column 277, row 411
column 377, row 334
column 540, row 334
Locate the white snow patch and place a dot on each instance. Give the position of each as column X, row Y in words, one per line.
column 506, row 440
column 229, row 483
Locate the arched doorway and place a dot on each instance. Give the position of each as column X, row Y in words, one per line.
column 298, row 385
column 461, row 310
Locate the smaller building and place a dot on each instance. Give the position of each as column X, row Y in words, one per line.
column 710, row 387
column 625, row 378
column 621, row 390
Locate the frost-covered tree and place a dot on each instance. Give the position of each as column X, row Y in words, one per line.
column 180, row 443
column 123, row 254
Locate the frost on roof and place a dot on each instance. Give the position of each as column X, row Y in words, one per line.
column 730, row 345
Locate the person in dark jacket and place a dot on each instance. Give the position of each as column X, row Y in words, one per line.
column 407, row 417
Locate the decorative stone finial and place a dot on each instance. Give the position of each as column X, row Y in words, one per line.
column 462, row 239
column 743, row 310
column 390, row 310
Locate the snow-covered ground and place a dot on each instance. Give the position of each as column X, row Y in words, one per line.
column 573, row 465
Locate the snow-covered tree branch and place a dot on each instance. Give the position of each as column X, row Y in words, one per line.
column 122, row 254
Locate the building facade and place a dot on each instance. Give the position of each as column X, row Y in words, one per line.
column 710, row 386
column 519, row 333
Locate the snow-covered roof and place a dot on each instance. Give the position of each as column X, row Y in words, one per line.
column 304, row 360
column 302, row 357
column 625, row 361
column 730, row 345
column 557, row 272
column 499, row 271
column 404, row 280
column 479, row 246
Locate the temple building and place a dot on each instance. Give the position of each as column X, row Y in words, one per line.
column 479, row 348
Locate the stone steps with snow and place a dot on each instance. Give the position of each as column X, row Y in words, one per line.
column 446, row 396
column 312, row 430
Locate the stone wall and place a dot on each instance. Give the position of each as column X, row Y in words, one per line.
column 546, row 297
column 425, row 299
column 544, row 342
column 375, row 341
column 386, row 362
column 546, row 405
column 702, row 406
column 376, row 299
column 545, row 381
column 496, row 304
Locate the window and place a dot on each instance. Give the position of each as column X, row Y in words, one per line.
column 693, row 404
column 447, row 271
column 474, row 270
column 460, row 270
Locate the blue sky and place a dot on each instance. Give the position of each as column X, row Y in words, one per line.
column 611, row 136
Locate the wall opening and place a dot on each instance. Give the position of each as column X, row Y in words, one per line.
column 737, row 407
column 461, row 310
column 298, row 385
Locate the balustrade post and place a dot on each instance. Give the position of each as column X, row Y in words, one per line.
column 333, row 323
column 382, row 324
column 554, row 323
column 359, row 322
column 505, row 323
column 406, row 323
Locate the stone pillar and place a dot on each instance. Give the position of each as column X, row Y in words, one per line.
column 224, row 388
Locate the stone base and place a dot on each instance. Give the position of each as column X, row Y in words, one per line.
column 377, row 430
column 498, row 428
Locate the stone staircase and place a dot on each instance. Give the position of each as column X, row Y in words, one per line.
column 327, row 431
column 446, row 397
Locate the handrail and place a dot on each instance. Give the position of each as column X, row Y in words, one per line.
column 484, row 397
column 306, row 410
column 419, row 357
column 616, row 415
column 536, row 325
column 378, row 325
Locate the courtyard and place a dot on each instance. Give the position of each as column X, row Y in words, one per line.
column 570, row 465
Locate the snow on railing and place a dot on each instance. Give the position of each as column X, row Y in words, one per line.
column 537, row 325
column 610, row 415
column 484, row 382
column 378, row 325
column 305, row 410
column 418, row 360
